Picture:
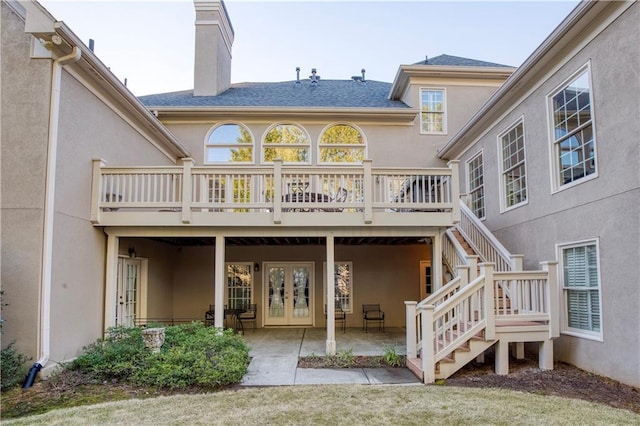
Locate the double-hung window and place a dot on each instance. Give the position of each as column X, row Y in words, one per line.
column 573, row 142
column 343, row 282
column 239, row 285
column 433, row 111
column 514, row 174
column 475, row 184
column 581, row 289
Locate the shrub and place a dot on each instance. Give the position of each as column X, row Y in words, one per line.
column 13, row 366
column 118, row 356
column 391, row 357
column 192, row 355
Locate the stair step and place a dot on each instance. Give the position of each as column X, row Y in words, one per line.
column 415, row 366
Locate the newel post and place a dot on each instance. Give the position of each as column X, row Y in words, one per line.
column 410, row 324
column 455, row 190
column 187, row 189
column 277, row 190
column 486, row 270
column 427, row 352
column 516, row 262
column 552, row 297
column 368, row 191
column 96, row 185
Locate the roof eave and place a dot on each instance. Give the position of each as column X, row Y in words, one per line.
column 393, row 115
column 540, row 57
column 406, row 72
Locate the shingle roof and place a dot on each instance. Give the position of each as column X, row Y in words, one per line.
column 458, row 61
column 327, row 94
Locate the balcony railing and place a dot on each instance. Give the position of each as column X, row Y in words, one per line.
column 276, row 190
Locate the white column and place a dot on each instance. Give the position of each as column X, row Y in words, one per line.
column 187, row 188
column 436, row 264
column 219, row 276
column 331, row 321
column 111, row 281
column 412, row 342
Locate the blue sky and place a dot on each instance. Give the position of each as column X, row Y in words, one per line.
column 150, row 43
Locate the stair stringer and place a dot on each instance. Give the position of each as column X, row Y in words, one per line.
column 461, row 357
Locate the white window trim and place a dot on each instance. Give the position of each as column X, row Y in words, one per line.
column 207, row 145
column 444, row 110
column 320, row 145
column 324, row 283
column 226, row 286
column 564, row 320
column 503, row 189
column 467, row 169
column 556, row 186
column 264, row 145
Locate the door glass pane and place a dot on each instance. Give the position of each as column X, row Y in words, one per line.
column 300, row 291
column 276, row 292
column 128, row 293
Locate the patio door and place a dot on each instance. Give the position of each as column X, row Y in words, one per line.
column 129, row 277
column 288, row 293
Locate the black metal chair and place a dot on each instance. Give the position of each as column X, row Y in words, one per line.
column 249, row 315
column 339, row 315
column 372, row 312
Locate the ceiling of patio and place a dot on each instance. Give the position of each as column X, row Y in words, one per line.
column 291, row 241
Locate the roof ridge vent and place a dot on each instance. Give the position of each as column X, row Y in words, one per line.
column 359, row 78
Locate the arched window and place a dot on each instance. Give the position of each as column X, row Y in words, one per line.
column 342, row 143
column 229, row 143
column 288, row 142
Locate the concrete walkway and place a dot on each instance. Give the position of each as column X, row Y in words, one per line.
column 275, row 355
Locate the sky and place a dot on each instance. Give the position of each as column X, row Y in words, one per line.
column 151, row 43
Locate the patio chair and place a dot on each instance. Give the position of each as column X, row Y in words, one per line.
column 339, row 315
column 372, row 312
column 249, row 315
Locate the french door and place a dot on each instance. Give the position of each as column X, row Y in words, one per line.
column 129, row 277
column 288, row 293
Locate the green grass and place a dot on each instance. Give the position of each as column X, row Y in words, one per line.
column 347, row 404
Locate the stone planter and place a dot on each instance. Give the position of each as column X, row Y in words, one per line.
column 153, row 338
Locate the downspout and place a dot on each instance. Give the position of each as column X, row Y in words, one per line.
column 49, row 212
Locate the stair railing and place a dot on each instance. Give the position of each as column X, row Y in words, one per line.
column 485, row 243
column 467, row 313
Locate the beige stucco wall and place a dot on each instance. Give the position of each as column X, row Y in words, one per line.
column 388, row 275
column 388, row 145
column 605, row 208
column 88, row 129
column 25, row 115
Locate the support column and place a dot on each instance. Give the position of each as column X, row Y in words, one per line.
column 545, row 355
column 111, row 281
column 219, row 275
column 502, row 358
column 436, row 263
column 412, row 341
column 517, row 350
column 331, row 291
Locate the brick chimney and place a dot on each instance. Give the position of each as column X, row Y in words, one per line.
column 214, row 38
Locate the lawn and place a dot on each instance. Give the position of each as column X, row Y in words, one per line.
column 344, row 404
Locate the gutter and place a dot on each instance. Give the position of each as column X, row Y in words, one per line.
column 49, row 213
column 536, row 59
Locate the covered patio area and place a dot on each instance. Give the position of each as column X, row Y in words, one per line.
column 275, row 353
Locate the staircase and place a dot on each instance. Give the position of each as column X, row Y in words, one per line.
column 492, row 303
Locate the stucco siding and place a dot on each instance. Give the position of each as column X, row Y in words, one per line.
column 605, row 207
column 25, row 114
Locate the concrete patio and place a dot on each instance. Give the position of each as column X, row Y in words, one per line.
column 275, row 353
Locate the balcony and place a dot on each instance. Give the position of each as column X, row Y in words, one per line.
column 274, row 195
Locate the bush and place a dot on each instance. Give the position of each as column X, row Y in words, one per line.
column 13, row 366
column 192, row 355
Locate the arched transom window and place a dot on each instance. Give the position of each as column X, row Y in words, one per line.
column 342, row 143
column 288, row 142
column 229, row 143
